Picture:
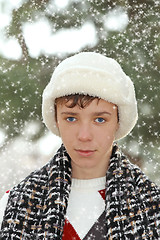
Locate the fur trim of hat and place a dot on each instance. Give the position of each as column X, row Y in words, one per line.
column 93, row 74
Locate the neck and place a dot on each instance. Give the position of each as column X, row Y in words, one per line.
column 89, row 173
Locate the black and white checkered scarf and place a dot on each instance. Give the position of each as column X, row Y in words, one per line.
column 37, row 206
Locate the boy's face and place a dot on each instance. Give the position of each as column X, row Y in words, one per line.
column 88, row 135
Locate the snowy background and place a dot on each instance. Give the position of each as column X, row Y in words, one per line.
column 35, row 35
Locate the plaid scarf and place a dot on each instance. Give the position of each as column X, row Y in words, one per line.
column 37, row 206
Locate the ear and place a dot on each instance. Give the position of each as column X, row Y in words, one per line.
column 57, row 125
column 117, row 127
column 55, row 116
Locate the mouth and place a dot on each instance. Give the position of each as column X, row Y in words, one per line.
column 85, row 153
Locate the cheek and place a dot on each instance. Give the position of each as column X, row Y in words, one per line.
column 113, row 127
column 107, row 135
column 64, row 132
column 60, row 126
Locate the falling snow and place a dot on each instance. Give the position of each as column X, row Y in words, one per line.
column 35, row 37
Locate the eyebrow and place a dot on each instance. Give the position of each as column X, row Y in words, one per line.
column 69, row 113
column 102, row 113
column 94, row 113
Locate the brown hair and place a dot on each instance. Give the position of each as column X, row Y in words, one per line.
column 76, row 100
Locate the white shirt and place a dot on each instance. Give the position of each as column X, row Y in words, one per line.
column 85, row 204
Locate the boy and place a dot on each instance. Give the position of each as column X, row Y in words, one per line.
column 89, row 190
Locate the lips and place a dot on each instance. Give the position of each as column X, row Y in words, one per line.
column 85, row 153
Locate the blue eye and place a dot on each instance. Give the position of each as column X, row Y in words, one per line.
column 100, row 120
column 71, row 119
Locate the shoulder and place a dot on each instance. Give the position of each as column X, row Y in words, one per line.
column 34, row 186
column 142, row 183
column 3, row 204
column 36, row 181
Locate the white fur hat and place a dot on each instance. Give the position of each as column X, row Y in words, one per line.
column 95, row 75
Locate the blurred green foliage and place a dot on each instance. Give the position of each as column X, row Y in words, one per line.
column 136, row 48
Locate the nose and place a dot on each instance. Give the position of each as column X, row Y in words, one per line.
column 84, row 133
